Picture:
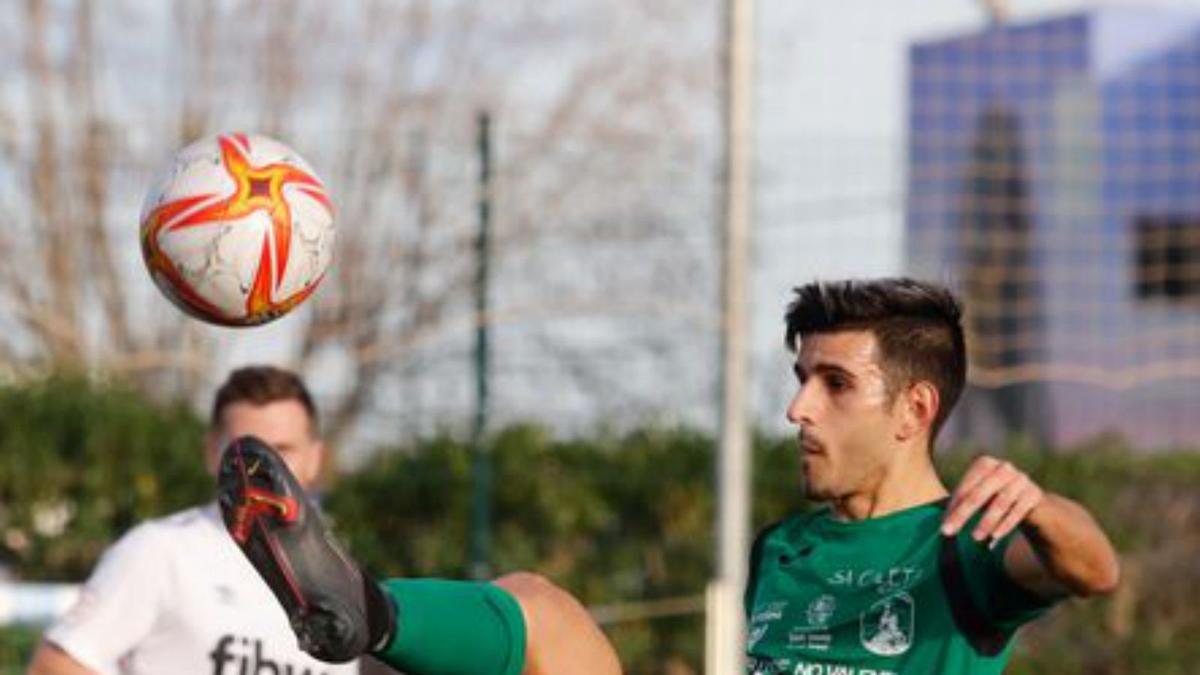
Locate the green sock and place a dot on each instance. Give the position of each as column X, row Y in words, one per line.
column 454, row 628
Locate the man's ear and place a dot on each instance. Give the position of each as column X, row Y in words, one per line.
column 919, row 405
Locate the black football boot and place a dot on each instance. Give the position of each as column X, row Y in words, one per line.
column 336, row 611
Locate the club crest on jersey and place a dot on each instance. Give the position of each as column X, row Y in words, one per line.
column 886, row 628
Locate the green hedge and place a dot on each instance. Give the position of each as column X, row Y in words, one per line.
column 80, row 464
column 615, row 518
column 630, row 517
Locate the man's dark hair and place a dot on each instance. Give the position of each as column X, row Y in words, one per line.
column 918, row 325
column 260, row 385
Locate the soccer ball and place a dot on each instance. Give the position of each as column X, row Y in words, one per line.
column 237, row 230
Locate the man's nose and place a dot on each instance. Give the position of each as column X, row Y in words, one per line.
column 799, row 411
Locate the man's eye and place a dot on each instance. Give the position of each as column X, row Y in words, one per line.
column 837, row 384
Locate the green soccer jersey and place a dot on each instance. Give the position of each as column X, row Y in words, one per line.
column 827, row 597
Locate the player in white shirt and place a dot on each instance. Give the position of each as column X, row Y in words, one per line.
column 175, row 595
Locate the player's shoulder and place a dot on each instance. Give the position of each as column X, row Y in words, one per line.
column 161, row 532
column 772, row 540
column 196, row 516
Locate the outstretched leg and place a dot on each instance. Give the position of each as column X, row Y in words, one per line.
column 562, row 637
column 522, row 623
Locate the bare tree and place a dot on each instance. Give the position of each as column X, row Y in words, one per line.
column 603, row 115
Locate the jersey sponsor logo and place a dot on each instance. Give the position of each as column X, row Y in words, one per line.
column 803, row 668
column 805, row 639
column 772, row 611
column 886, row 628
column 756, row 634
column 820, row 611
column 763, row 666
column 884, row 581
column 245, row 657
column 812, row 634
column 757, row 665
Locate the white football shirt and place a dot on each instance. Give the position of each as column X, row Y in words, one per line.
column 175, row 595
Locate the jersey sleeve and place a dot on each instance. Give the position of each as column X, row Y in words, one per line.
column 1004, row 601
column 118, row 604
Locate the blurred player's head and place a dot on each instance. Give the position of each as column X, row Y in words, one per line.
column 274, row 405
column 880, row 363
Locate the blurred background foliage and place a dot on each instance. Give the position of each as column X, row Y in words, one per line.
column 81, row 463
column 617, row 518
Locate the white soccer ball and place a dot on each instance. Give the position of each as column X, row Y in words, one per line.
column 237, row 230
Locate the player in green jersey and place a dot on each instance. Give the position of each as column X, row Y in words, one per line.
column 897, row 573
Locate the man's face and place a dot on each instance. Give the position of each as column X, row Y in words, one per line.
column 284, row 425
column 846, row 418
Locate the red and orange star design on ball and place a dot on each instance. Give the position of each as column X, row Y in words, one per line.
column 257, row 188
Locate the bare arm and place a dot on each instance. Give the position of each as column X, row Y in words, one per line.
column 49, row 659
column 1060, row 550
